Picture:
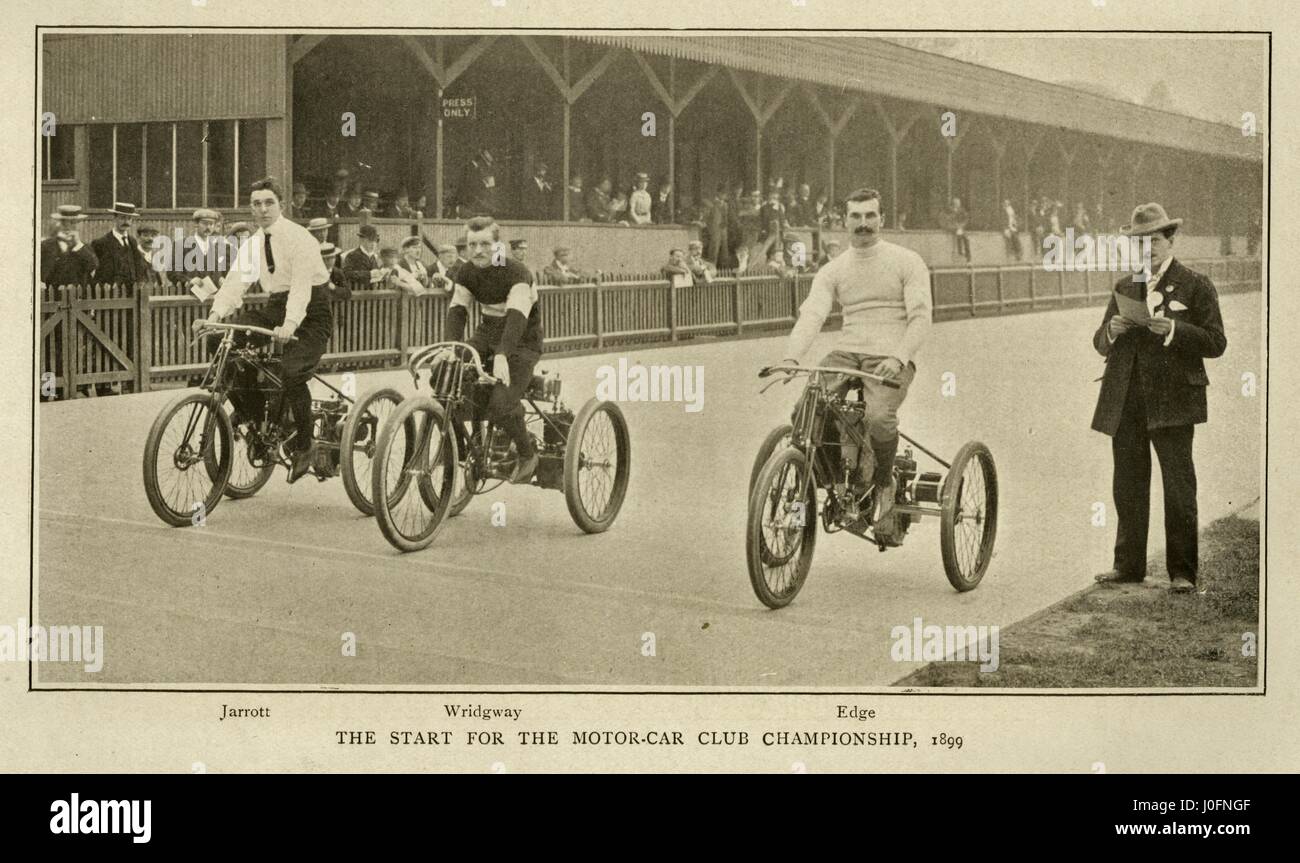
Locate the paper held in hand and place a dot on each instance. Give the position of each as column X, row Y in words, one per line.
column 1134, row 310
column 204, row 290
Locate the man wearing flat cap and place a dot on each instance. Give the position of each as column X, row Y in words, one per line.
column 203, row 253
column 117, row 251
column 1153, row 395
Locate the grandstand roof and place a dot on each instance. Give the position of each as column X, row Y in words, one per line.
column 874, row 65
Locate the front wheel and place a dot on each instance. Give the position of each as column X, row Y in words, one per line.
column 969, row 520
column 597, row 459
column 777, row 438
column 358, row 441
column 187, row 459
column 413, row 473
column 781, row 528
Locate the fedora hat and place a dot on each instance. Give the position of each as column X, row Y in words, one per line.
column 121, row 208
column 1148, row 219
column 69, row 213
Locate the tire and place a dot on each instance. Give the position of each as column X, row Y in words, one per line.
column 587, row 465
column 789, row 548
column 777, row 438
column 245, row 478
column 969, row 495
column 418, row 428
column 208, row 458
column 358, row 441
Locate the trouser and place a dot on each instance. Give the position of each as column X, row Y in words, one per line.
column 297, row 363
column 502, row 406
column 1131, row 486
column 880, row 414
column 717, row 247
column 963, row 244
column 1013, row 244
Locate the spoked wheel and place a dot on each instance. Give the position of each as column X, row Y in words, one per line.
column 360, row 438
column 969, row 524
column 414, row 451
column 246, row 478
column 777, row 438
column 463, row 492
column 781, row 528
column 597, row 459
column 187, row 459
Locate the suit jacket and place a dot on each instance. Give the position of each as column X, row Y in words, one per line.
column 537, row 203
column 577, row 205
column 66, row 268
column 1173, row 377
column 118, row 264
column 357, row 266
column 214, row 265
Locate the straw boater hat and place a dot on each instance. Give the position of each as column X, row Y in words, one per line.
column 69, row 213
column 1149, row 219
column 328, row 250
column 318, row 224
column 121, row 208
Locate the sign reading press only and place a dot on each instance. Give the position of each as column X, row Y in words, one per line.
column 458, row 108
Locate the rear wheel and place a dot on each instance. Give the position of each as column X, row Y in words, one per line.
column 969, row 520
column 415, row 451
column 597, row 461
column 187, row 459
column 781, row 528
column 358, row 441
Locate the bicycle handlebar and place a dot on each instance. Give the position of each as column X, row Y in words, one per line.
column 794, row 370
column 423, row 357
column 247, row 328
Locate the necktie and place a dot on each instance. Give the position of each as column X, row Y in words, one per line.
column 266, row 253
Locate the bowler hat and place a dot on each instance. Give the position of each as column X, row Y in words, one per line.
column 1149, row 219
column 368, row 232
column 146, row 231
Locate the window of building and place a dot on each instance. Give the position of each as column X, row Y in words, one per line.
column 181, row 165
column 57, row 154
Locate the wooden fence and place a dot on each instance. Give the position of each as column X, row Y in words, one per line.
column 139, row 337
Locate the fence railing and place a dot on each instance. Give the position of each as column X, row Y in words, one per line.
column 139, row 337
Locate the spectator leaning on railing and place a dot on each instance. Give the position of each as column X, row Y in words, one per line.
column 409, row 272
column 203, row 255
column 339, row 287
column 362, row 263
column 700, row 268
column 676, row 271
column 561, row 272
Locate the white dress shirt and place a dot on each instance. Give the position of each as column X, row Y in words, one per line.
column 298, row 268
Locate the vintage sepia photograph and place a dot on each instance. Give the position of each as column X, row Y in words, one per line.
column 644, row 361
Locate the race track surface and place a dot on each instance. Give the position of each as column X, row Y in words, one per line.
column 262, row 595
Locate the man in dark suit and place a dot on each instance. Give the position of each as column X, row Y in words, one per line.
column 1153, row 394
column 65, row 260
column 362, row 265
column 117, row 251
column 204, row 254
column 538, row 199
